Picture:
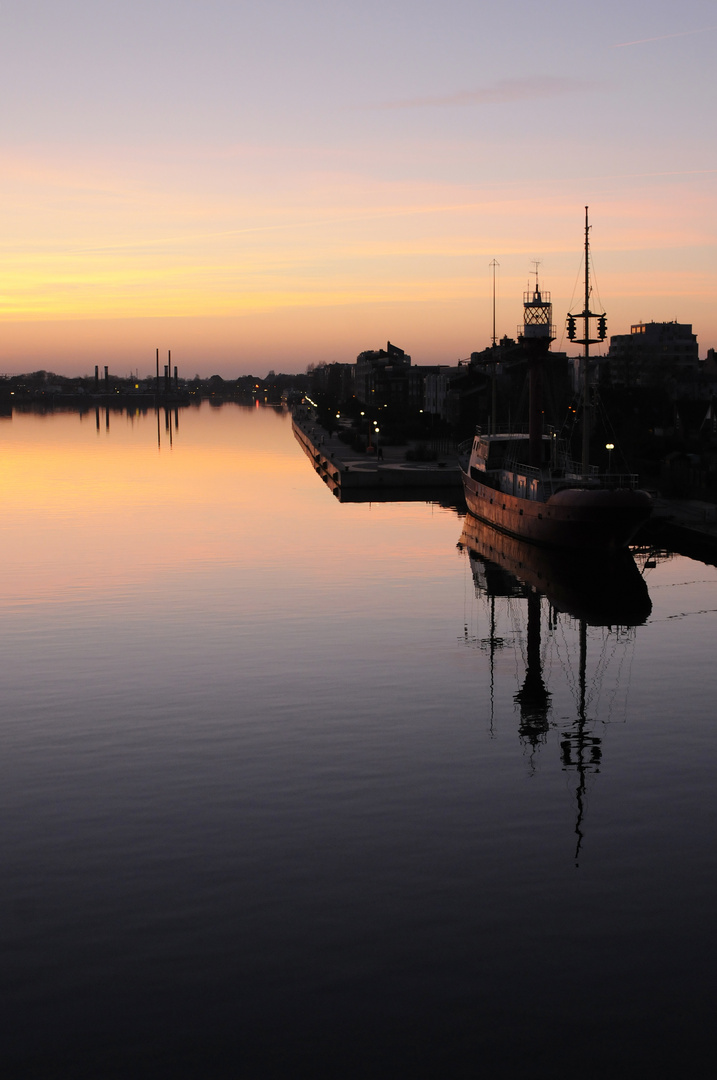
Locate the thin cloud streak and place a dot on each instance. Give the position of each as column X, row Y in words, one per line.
column 164, row 241
column 503, row 92
column 663, row 37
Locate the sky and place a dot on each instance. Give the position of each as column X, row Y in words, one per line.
column 264, row 186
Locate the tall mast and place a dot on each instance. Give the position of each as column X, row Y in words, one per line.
column 586, row 359
column 586, row 315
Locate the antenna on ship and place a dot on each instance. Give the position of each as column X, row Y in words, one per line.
column 494, row 264
column 493, row 383
column 586, row 315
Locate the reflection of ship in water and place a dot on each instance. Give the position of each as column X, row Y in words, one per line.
column 556, row 592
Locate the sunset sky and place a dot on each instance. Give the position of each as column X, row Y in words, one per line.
column 267, row 185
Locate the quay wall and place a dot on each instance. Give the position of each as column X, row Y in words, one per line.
column 340, row 466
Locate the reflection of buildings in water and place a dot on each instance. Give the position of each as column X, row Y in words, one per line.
column 171, row 420
column 607, row 592
column 170, row 429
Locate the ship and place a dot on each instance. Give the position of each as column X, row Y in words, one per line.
column 526, row 484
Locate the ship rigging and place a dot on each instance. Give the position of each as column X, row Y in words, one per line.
column 529, row 486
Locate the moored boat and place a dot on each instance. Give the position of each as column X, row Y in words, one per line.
column 527, row 485
column 550, row 504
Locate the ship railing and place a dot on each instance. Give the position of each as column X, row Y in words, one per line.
column 575, row 468
column 595, row 479
column 511, row 429
column 514, row 466
column 620, row 480
column 514, row 429
column 504, row 429
column 571, row 472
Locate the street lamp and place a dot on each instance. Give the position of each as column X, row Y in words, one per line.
column 609, row 447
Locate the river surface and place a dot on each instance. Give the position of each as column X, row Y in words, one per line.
column 290, row 786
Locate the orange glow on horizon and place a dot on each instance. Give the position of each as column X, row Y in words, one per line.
column 322, row 264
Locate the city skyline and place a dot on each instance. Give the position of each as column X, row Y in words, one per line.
column 261, row 189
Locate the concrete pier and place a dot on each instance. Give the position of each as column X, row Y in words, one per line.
column 344, row 470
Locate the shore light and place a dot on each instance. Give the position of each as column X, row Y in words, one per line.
column 609, row 447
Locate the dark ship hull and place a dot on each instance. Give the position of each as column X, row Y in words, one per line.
column 581, row 519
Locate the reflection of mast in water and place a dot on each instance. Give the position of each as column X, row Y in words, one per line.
column 533, row 696
column 491, row 580
column 579, row 748
column 609, row 593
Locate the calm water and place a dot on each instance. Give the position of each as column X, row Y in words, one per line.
column 290, row 786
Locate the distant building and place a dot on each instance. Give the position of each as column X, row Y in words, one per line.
column 334, row 379
column 385, row 377
column 440, row 397
column 653, row 354
column 506, row 349
column 708, row 374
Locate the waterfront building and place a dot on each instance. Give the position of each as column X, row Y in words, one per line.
column 442, row 389
column 385, row 377
column 335, row 380
column 653, row 354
